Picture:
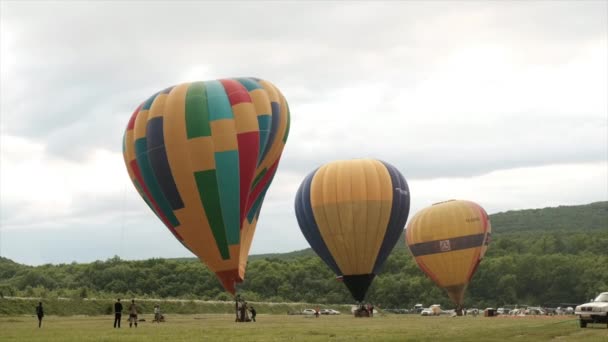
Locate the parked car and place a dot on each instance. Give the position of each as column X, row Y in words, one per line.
column 329, row 312
column 473, row 311
column 308, row 312
column 427, row 312
column 489, row 312
column 595, row 311
column 503, row 311
column 535, row 311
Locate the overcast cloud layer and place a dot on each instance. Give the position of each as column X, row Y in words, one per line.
column 502, row 103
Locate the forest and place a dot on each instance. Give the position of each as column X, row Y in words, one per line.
column 546, row 257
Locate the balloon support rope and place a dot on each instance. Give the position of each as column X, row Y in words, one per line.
column 122, row 219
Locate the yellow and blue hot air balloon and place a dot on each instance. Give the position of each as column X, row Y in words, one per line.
column 449, row 240
column 352, row 214
column 202, row 155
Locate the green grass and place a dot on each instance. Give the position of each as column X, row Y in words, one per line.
column 221, row 327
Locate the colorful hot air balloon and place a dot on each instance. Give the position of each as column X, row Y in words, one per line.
column 202, row 155
column 448, row 240
column 352, row 213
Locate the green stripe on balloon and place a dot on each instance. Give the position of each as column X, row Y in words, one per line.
column 206, row 183
column 197, row 111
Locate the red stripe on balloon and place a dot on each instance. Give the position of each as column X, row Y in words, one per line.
column 131, row 123
column 157, row 210
column 476, row 256
column 229, row 279
column 249, row 148
column 236, row 92
column 262, row 184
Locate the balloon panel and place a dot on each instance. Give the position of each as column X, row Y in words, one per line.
column 448, row 240
column 202, row 155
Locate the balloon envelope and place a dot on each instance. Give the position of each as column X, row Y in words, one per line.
column 202, row 156
column 448, row 241
column 352, row 213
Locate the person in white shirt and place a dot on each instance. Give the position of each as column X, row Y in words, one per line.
column 132, row 314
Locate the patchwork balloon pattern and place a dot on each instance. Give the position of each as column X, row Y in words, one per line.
column 202, row 155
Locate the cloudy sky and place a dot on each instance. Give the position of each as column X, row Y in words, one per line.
column 503, row 103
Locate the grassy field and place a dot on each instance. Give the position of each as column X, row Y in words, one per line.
column 220, row 327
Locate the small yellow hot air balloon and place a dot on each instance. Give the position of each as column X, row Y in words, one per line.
column 448, row 240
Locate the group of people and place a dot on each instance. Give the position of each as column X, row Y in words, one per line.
column 133, row 310
column 243, row 309
column 243, row 312
column 366, row 310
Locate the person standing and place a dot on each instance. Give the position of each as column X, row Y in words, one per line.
column 117, row 313
column 157, row 313
column 132, row 314
column 244, row 312
column 253, row 313
column 237, row 307
column 39, row 313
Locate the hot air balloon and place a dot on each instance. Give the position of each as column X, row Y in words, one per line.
column 448, row 241
column 352, row 214
column 202, row 155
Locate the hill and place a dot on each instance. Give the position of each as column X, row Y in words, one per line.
column 307, row 252
column 591, row 217
column 579, row 218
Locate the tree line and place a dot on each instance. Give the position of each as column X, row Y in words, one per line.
column 525, row 274
column 538, row 266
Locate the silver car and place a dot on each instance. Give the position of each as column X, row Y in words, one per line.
column 595, row 311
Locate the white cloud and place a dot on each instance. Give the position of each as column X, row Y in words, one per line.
column 47, row 190
column 500, row 102
column 520, row 188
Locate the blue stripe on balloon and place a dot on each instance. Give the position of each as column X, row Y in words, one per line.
column 142, row 153
column 256, row 208
column 149, row 102
column 264, row 124
column 227, row 166
column 274, row 127
column 398, row 217
column 249, row 83
column 254, row 211
column 308, row 225
column 157, row 155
